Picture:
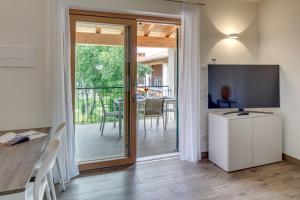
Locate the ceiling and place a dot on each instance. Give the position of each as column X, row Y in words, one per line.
column 148, row 34
column 144, row 29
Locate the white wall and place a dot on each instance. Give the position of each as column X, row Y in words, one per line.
column 279, row 36
column 153, row 7
column 229, row 17
column 23, row 90
column 220, row 18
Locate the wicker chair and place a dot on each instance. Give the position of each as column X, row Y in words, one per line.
column 153, row 107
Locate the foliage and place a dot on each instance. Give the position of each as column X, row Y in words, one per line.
column 99, row 67
column 143, row 70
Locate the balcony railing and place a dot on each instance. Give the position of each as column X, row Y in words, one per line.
column 88, row 106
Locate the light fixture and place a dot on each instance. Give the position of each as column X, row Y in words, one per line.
column 232, row 36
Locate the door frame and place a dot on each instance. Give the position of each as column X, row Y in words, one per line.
column 125, row 19
column 130, row 79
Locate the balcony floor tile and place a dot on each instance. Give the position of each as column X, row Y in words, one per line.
column 90, row 145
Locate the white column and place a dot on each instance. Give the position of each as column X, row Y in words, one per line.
column 171, row 71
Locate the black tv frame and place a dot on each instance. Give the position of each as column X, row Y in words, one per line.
column 242, row 111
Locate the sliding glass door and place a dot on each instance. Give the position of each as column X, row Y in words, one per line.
column 103, row 76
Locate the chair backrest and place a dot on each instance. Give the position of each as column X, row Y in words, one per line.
column 59, row 130
column 102, row 105
column 46, row 166
column 154, row 106
column 56, row 134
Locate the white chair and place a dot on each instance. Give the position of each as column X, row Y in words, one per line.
column 41, row 183
column 56, row 136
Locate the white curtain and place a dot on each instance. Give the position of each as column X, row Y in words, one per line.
column 57, row 47
column 189, row 84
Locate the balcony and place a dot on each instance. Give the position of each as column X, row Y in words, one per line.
column 90, row 145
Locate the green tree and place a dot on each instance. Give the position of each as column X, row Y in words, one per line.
column 97, row 66
column 100, row 67
column 143, row 70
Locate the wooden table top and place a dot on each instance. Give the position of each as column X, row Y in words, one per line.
column 17, row 162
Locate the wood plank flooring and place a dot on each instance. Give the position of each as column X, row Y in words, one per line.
column 177, row 180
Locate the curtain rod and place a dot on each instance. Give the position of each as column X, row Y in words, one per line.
column 180, row 1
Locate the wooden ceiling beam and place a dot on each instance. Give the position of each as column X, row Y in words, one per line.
column 170, row 30
column 159, row 42
column 148, row 28
column 95, row 38
column 98, row 30
column 110, row 39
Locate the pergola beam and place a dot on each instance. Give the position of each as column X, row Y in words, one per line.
column 98, row 30
column 148, row 28
column 114, row 39
column 170, row 30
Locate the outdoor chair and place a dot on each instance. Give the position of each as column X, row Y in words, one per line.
column 105, row 114
column 153, row 107
column 170, row 107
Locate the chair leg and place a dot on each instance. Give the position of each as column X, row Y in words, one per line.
column 167, row 116
column 103, row 123
column 164, row 125
column 145, row 125
column 60, row 175
column 51, row 185
column 47, row 191
column 101, row 119
column 151, row 121
column 120, row 128
column 157, row 122
column 114, row 122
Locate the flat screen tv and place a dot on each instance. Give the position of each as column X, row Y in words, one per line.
column 243, row 86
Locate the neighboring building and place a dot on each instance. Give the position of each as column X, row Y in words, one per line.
column 163, row 70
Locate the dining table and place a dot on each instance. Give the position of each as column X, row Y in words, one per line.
column 119, row 104
column 17, row 163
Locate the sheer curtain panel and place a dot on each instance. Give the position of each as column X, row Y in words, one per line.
column 189, row 84
column 57, row 60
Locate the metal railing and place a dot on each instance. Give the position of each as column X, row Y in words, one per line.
column 88, row 107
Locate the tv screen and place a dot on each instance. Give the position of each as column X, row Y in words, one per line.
column 243, row 86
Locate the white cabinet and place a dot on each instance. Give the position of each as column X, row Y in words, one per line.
column 267, row 140
column 240, row 142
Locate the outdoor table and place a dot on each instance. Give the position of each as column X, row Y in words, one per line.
column 119, row 102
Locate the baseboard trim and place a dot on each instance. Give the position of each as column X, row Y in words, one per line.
column 295, row 161
column 291, row 159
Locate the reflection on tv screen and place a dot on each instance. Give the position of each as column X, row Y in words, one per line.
column 243, row 86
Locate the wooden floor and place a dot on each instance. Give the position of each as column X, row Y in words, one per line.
column 177, row 180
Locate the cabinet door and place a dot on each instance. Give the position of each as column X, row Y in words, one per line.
column 240, row 144
column 267, row 140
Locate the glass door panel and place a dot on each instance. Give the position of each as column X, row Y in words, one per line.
column 104, row 62
column 156, row 81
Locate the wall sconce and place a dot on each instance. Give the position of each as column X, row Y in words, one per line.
column 232, row 36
